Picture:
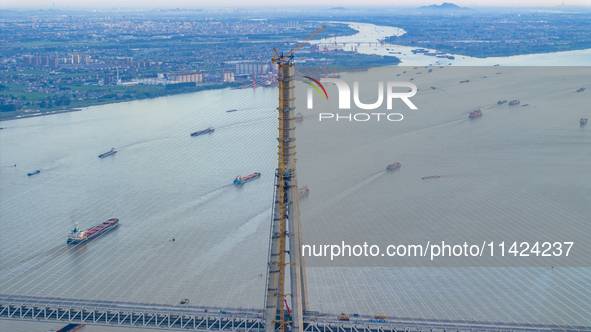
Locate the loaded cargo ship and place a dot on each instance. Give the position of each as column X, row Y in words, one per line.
column 431, row 177
column 393, row 167
column 77, row 235
column 475, row 114
column 106, row 154
column 205, row 131
column 240, row 180
column 583, row 121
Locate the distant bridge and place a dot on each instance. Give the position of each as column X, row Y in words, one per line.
column 196, row 318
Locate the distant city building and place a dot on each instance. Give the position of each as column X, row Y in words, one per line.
column 241, row 76
column 253, row 68
column 154, row 81
column 128, row 61
column 127, row 83
column 53, row 62
column 45, row 60
column 186, row 77
column 144, row 63
column 27, row 60
column 228, row 76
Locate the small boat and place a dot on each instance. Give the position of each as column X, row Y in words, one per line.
column 393, row 167
column 34, row 172
column 475, row 114
column 106, row 154
column 514, row 102
column 303, row 191
column 231, row 111
column 431, row 177
column 583, row 121
column 240, row 180
column 185, row 301
column 299, row 117
column 205, row 131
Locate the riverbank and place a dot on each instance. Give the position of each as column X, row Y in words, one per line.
column 118, row 95
column 42, row 114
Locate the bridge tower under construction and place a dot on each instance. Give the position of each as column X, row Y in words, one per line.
column 286, row 229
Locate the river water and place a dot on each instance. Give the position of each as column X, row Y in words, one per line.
column 164, row 185
column 366, row 42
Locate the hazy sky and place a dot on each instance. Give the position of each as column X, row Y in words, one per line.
column 46, row 4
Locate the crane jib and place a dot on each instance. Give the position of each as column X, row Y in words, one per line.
column 279, row 58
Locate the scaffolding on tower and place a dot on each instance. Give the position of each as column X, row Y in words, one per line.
column 286, row 228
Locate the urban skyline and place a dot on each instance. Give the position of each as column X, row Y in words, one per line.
column 70, row 4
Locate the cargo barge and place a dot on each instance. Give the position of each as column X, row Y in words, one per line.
column 201, row 132
column 71, row 328
column 431, row 177
column 393, row 167
column 34, row 172
column 583, row 121
column 106, row 154
column 240, row 180
column 475, row 114
column 77, row 236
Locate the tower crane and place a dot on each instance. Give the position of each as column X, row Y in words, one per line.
column 279, row 58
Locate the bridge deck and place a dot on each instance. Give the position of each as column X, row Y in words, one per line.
column 184, row 317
